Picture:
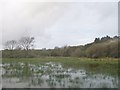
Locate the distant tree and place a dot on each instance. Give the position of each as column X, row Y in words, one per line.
column 116, row 37
column 55, row 51
column 97, row 40
column 44, row 49
column 105, row 38
column 76, row 53
column 56, row 47
column 18, row 47
column 66, row 51
column 26, row 43
column 10, row 45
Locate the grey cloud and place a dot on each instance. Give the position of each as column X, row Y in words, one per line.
column 34, row 18
column 59, row 23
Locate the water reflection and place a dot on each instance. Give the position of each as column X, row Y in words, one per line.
column 52, row 75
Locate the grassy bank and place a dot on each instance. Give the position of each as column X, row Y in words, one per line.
column 101, row 65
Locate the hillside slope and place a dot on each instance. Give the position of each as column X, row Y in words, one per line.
column 101, row 47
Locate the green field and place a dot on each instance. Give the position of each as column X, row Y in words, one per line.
column 101, row 65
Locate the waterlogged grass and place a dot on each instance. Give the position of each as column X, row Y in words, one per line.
column 101, row 65
column 61, row 72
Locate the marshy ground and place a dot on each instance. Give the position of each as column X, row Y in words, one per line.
column 60, row 72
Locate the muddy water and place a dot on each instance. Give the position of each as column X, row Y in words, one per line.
column 53, row 75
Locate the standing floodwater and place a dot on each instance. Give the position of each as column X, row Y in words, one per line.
column 53, row 75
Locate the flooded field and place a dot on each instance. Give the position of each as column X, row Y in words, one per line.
column 53, row 75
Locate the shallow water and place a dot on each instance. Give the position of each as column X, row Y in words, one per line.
column 53, row 75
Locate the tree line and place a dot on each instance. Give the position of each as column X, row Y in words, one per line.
column 101, row 47
column 25, row 43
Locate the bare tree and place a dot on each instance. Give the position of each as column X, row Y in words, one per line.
column 26, row 43
column 10, row 45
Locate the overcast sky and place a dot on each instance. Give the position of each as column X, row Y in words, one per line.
column 59, row 23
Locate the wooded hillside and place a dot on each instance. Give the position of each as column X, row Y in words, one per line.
column 101, row 47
